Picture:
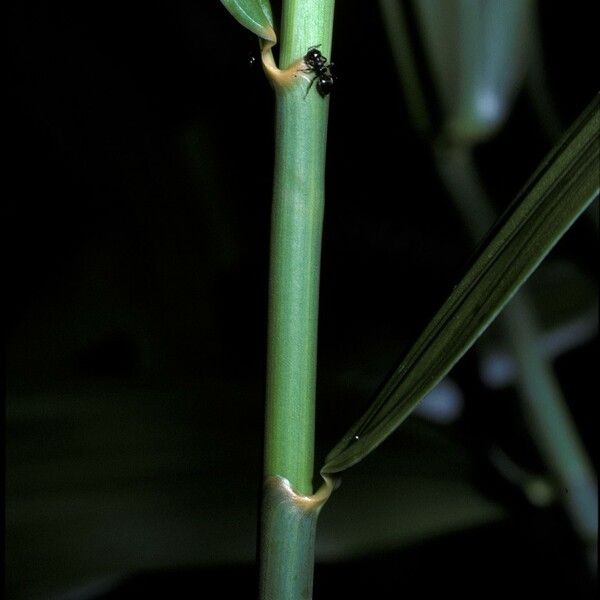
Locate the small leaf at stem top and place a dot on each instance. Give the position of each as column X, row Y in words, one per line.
column 255, row 15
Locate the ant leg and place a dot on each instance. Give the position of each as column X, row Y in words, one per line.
column 314, row 47
column 309, row 86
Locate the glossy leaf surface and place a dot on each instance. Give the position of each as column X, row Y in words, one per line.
column 562, row 187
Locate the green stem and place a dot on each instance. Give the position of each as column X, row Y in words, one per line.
column 287, row 552
column 298, row 199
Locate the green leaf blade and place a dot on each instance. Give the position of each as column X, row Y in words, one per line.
column 564, row 185
column 255, row 15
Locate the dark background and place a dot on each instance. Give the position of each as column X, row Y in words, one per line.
column 140, row 161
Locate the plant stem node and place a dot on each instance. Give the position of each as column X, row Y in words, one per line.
column 280, row 78
column 274, row 483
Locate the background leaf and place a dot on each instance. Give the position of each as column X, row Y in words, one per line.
column 478, row 53
column 255, row 15
column 562, row 187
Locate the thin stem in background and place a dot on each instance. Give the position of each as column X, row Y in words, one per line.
column 396, row 26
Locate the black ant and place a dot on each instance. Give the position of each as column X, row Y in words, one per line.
column 316, row 63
